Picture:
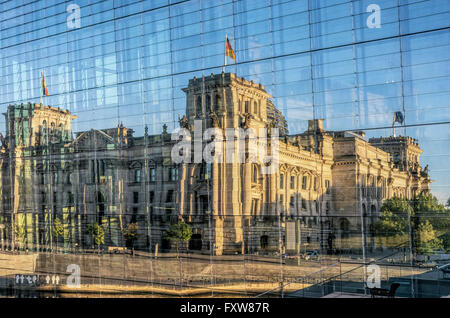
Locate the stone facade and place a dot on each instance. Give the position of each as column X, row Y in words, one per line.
column 326, row 181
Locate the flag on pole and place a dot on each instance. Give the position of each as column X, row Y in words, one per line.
column 398, row 117
column 44, row 87
column 229, row 50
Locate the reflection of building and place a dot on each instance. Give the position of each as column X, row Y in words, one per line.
column 325, row 180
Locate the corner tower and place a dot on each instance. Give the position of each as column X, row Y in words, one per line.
column 226, row 101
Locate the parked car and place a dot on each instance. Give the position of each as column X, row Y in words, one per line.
column 310, row 255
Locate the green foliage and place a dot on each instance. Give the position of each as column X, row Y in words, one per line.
column 20, row 233
column 97, row 233
column 446, row 242
column 58, row 228
column 131, row 232
column 427, row 208
column 397, row 205
column 426, row 239
column 426, row 203
column 423, row 216
column 448, row 203
column 179, row 232
column 394, row 219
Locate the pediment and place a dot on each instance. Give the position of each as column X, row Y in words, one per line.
column 94, row 139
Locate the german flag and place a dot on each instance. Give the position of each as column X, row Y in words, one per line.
column 44, row 87
column 229, row 50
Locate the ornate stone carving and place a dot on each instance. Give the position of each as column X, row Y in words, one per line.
column 5, row 144
column 215, row 120
column 184, row 123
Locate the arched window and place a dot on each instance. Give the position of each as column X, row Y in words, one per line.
column 344, row 227
column 198, row 109
column 304, row 182
column 62, row 131
column 137, row 175
column 100, row 207
column 264, row 241
column 208, row 104
column 255, row 174
column 217, row 104
column 44, row 132
column 69, row 178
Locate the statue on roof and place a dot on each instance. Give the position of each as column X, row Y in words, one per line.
column 184, row 123
column 4, row 142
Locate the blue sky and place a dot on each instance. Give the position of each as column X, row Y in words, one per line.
column 129, row 60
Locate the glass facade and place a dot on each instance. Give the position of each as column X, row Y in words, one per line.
column 348, row 83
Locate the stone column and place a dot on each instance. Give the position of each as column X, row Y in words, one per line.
column 247, row 188
column 215, row 188
column 273, row 194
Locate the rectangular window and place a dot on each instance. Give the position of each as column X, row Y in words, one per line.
column 315, row 183
column 292, row 182
column 137, row 175
column 152, row 196
column 70, row 198
column 173, row 174
column 169, row 196
column 327, row 186
column 281, row 181
column 134, row 216
column 152, row 174
column 304, row 182
column 292, row 201
column 304, row 204
column 135, row 197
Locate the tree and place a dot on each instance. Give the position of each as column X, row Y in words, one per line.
column 131, row 234
column 179, row 232
column 97, row 233
column 446, row 242
column 57, row 231
column 419, row 217
column 428, row 209
column 394, row 220
column 21, row 234
column 426, row 239
column 448, row 203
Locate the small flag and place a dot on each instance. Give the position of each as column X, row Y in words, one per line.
column 398, row 117
column 44, row 87
column 229, row 50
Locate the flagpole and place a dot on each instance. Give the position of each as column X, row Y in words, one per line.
column 225, row 54
column 42, row 88
column 393, row 125
column 393, row 128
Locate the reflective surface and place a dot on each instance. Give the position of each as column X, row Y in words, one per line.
column 123, row 76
